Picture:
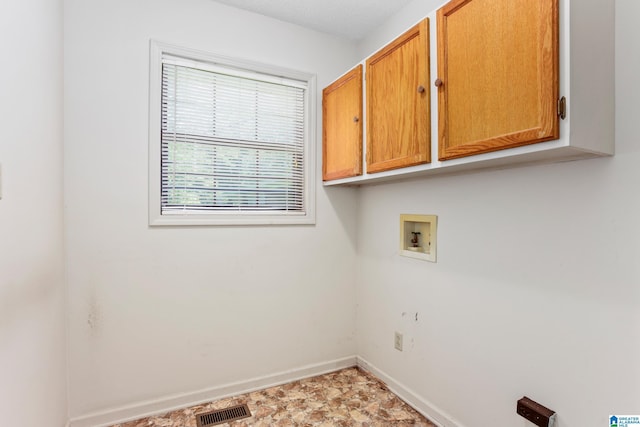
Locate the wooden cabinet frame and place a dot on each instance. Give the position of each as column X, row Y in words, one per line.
column 399, row 102
column 489, row 102
column 566, row 35
column 342, row 127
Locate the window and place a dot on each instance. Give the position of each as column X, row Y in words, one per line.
column 231, row 142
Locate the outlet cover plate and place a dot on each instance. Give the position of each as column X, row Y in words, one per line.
column 397, row 341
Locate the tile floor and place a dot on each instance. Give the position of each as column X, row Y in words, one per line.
column 350, row 397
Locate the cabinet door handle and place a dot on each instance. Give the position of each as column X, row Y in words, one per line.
column 356, row 119
column 420, row 89
column 439, row 82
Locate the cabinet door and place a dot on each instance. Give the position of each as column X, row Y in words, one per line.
column 342, row 127
column 398, row 106
column 498, row 75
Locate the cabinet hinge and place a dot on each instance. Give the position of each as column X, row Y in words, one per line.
column 562, row 108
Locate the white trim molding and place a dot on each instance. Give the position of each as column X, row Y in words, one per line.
column 157, row 50
column 417, row 402
column 174, row 402
column 177, row 401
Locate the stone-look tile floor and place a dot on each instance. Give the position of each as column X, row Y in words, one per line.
column 350, row 397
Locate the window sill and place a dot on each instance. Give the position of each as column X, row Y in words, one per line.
column 195, row 219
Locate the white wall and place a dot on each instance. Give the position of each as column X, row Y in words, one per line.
column 397, row 24
column 155, row 312
column 544, row 254
column 32, row 329
column 535, row 291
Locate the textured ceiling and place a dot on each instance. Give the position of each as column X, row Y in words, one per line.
column 353, row 19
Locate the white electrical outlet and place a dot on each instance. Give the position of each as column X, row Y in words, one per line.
column 397, row 341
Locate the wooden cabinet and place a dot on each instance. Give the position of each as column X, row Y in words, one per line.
column 497, row 75
column 342, row 127
column 398, row 102
column 504, row 70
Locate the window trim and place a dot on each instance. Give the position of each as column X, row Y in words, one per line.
column 157, row 50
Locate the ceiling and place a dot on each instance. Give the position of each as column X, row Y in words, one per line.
column 353, row 19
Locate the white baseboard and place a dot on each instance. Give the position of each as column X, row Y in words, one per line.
column 426, row 408
column 171, row 403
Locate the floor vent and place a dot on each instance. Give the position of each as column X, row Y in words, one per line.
column 223, row 415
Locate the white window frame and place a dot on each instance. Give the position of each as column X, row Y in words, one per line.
column 156, row 218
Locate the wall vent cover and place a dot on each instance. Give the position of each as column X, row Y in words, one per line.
column 225, row 415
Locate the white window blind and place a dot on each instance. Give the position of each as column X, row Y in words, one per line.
column 231, row 140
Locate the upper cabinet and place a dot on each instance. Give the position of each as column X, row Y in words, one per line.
column 398, row 113
column 516, row 82
column 342, row 127
column 497, row 75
